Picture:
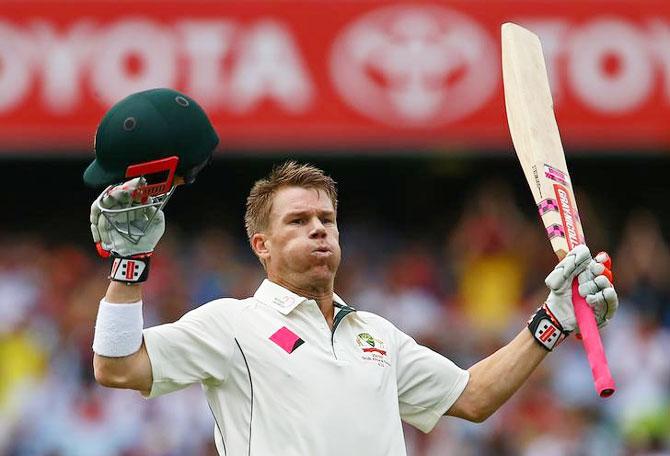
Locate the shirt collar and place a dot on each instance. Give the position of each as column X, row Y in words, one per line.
column 284, row 300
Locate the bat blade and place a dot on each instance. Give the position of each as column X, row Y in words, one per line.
column 536, row 138
column 537, row 141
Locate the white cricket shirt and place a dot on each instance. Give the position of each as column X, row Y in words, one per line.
column 279, row 382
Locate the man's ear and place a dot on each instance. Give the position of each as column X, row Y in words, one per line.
column 260, row 246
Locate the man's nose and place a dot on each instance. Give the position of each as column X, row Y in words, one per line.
column 317, row 229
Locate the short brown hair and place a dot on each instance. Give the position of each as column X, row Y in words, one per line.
column 288, row 174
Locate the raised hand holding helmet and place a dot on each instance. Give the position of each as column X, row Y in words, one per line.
column 126, row 228
column 153, row 140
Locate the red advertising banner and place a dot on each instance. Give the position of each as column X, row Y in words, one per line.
column 332, row 75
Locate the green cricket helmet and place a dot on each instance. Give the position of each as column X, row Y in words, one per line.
column 155, row 135
column 147, row 127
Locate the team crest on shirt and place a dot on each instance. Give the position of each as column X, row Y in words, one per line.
column 373, row 349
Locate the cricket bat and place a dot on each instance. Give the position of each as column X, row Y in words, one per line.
column 532, row 125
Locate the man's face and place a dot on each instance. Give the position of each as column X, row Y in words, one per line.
column 302, row 239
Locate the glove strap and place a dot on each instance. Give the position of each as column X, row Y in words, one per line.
column 546, row 329
column 134, row 269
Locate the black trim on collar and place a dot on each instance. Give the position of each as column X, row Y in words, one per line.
column 343, row 306
column 344, row 311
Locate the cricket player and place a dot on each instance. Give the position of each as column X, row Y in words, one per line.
column 293, row 369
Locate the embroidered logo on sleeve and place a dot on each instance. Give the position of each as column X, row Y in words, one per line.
column 286, row 339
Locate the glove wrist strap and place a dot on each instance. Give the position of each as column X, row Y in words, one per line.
column 546, row 329
column 134, row 269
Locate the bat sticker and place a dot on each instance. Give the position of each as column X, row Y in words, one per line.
column 556, row 175
column 555, row 230
column 568, row 216
column 547, row 205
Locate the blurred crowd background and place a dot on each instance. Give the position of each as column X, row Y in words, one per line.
column 458, row 269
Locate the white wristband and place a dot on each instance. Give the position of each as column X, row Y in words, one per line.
column 118, row 329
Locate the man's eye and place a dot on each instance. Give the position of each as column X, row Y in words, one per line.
column 327, row 220
column 296, row 221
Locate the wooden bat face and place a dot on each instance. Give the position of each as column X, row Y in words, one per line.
column 536, row 138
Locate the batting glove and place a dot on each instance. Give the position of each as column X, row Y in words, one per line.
column 595, row 283
column 130, row 235
column 555, row 320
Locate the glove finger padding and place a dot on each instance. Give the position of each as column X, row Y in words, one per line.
column 125, row 196
column 596, row 286
column 156, row 228
column 587, row 284
column 107, row 234
column 95, row 233
column 575, row 262
column 594, row 269
column 604, row 304
column 612, row 300
column 95, row 209
column 122, row 196
column 604, row 259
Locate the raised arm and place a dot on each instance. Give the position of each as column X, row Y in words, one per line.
column 496, row 378
column 120, row 358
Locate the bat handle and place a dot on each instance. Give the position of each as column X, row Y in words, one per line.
column 593, row 346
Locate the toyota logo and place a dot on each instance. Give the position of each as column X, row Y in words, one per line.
column 415, row 66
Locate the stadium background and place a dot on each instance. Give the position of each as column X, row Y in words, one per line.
column 438, row 229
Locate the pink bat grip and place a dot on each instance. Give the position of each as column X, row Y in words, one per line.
column 592, row 344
